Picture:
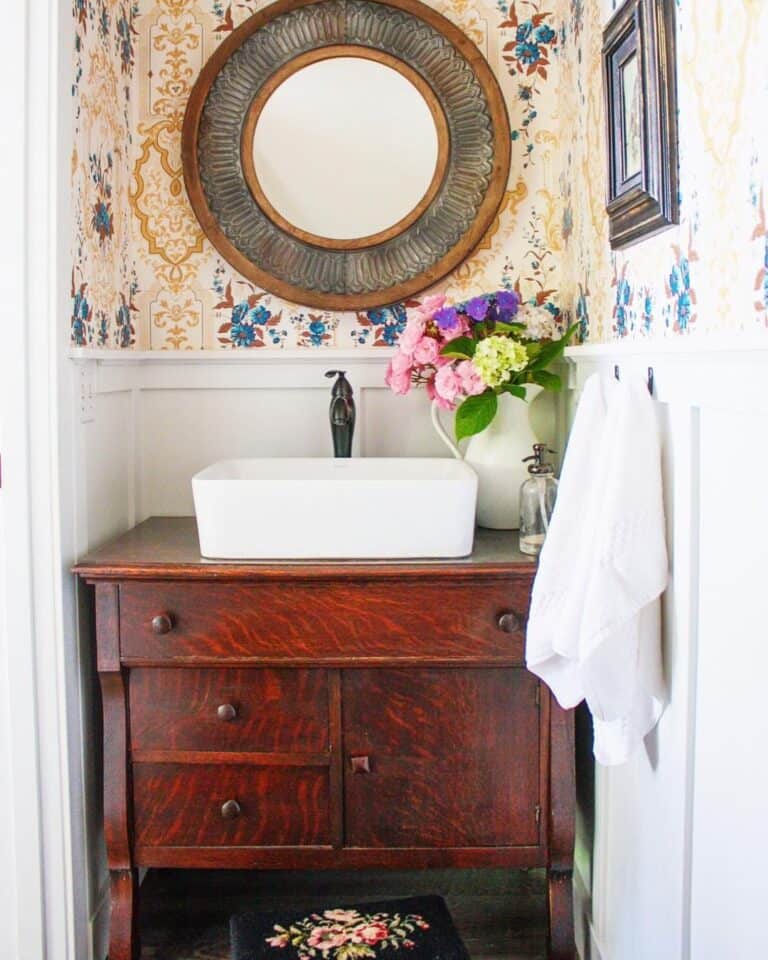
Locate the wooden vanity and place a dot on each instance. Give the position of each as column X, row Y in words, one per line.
column 324, row 715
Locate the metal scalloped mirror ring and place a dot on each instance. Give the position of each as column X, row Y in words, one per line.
column 405, row 261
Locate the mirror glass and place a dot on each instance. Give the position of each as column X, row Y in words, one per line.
column 345, row 148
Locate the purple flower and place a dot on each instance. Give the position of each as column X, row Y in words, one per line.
column 508, row 301
column 446, row 318
column 477, row 308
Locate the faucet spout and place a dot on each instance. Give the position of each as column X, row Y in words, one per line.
column 342, row 414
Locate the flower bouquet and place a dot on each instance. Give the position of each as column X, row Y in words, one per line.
column 467, row 355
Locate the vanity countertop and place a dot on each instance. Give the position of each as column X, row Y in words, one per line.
column 169, row 547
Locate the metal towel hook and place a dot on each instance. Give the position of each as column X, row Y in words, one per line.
column 649, row 381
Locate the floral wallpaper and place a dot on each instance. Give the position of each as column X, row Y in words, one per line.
column 144, row 275
column 710, row 274
column 103, row 276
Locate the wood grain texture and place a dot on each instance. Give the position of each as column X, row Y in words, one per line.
column 181, row 805
column 453, row 756
column 562, row 832
column 332, row 622
column 167, row 548
column 402, row 664
column 277, row 711
column 328, row 858
column 123, row 922
column 117, row 793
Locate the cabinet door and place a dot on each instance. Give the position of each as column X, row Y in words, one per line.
column 441, row 758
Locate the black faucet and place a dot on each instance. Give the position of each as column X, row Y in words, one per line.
column 342, row 414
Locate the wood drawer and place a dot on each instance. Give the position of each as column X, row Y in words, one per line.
column 335, row 621
column 275, row 711
column 181, row 805
column 450, row 758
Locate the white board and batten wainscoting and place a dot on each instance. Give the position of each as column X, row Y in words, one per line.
column 674, row 871
column 680, row 835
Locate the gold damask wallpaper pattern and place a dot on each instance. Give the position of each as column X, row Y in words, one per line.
column 709, row 274
column 151, row 279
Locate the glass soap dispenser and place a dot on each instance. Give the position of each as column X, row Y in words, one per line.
column 537, row 501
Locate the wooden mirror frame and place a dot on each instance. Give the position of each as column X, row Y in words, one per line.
column 328, row 53
column 425, row 245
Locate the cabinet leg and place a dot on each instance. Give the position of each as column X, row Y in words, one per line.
column 123, row 924
column 560, row 900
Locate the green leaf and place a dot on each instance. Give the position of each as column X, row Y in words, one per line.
column 550, row 381
column 502, row 327
column 515, row 390
column 475, row 414
column 551, row 351
column 460, row 347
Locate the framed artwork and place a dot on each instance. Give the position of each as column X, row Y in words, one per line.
column 639, row 79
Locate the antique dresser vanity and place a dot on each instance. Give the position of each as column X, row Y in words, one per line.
column 324, row 715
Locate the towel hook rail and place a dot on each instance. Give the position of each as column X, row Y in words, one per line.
column 649, row 380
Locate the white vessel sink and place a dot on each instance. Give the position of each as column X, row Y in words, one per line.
column 301, row 509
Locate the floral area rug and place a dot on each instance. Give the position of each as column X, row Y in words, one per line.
column 416, row 928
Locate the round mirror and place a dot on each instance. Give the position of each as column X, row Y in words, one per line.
column 346, row 148
column 344, row 154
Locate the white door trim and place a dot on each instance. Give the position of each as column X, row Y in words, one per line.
column 38, row 916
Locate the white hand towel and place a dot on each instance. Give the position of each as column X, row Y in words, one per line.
column 594, row 625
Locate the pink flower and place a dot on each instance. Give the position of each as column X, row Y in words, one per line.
column 398, row 375
column 426, row 351
column 327, row 938
column 373, row 933
column 280, row 940
column 459, row 329
column 447, row 384
column 469, row 378
column 430, row 305
column 412, row 335
column 341, row 916
column 434, row 395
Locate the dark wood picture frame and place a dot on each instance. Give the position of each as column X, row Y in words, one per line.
column 641, row 120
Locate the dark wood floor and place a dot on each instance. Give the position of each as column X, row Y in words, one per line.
column 500, row 914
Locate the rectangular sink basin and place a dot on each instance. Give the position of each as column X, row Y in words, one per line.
column 325, row 509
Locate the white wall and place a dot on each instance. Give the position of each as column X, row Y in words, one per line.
column 157, row 420
column 680, row 834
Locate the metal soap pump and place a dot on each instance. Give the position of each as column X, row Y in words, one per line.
column 537, row 501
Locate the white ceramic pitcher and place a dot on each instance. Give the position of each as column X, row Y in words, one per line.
column 496, row 454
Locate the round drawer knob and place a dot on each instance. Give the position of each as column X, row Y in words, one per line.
column 226, row 712
column 510, row 622
column 162, row 623
column 230, row 810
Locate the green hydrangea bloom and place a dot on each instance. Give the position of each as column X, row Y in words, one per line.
column 497, row 358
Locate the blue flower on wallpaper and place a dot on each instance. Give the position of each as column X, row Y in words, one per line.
column 545, row 34
column 102, row 218
column 125, row 333
column 82, row 314
column 386, row 324
column 680, row 288
column 248, row 323
column 647, row 314
column 527, row 53
column 124, row 35
column 245, row 322
column 104, row 23
column 315, row 329
column 102, row 328
column 623, row 316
